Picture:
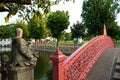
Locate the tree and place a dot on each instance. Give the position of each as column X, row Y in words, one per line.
column 77, row 30
column 14, row 1
column 37, row 26
column 10, row 30
column 21, row 24
column 96, row 13
column 67, row 36
column 57, row 22
column 25, row 11
column 2, row 32
column 7, row 31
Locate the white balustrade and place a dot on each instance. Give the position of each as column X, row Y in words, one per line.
column 5, row 42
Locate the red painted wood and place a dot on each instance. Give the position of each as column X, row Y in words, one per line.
column 79, row 63
column 58, row 58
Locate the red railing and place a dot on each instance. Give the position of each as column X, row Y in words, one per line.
column 79, row 63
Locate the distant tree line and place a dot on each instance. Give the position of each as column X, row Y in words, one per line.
column 96, row 13
column 38, row 23
column 7, row 31
column 39, row 28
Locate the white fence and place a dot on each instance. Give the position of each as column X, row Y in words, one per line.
column 5, row 42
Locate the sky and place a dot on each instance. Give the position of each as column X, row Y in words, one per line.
column 74, row 9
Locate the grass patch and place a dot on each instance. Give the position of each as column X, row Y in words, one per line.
column 117, row 43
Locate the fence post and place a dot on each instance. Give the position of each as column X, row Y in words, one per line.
column 57, row 68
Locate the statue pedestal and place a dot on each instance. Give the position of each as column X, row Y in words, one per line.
column 21, row 73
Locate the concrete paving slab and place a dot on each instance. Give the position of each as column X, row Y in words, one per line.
column 102, row 69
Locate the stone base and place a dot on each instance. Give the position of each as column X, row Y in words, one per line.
column 21, row 73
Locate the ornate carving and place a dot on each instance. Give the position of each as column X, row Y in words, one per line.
column 79, row 66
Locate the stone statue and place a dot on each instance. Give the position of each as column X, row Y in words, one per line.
column 22, row 54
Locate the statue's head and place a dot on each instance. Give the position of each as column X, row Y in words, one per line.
column 19, row 32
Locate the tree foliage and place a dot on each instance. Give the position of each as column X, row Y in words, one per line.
column 78, row 30
column 11, row 8
column 7, row 31
column 57, row 22
column 96, row 13
column 17, row 2
column 67, row 36
column 25, row 11
column 37, row 26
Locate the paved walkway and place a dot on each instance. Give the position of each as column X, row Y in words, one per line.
column 103, row 67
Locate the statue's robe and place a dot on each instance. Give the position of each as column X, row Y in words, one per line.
column 22, row 55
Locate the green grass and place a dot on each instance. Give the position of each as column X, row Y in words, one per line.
column 117, row 43
column 72, row 42
column 66, row 42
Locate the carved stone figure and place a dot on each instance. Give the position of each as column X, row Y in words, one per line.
column 22, row 55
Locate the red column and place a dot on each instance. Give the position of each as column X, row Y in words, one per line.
column 57, row 68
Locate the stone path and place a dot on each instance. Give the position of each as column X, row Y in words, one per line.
column 116, row 74
column 103, row 68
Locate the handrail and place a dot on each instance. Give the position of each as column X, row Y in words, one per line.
column 79, row 63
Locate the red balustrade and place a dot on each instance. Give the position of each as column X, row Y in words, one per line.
column 79, row 63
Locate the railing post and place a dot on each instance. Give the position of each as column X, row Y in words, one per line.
column 57, row 68
column 105, row 32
